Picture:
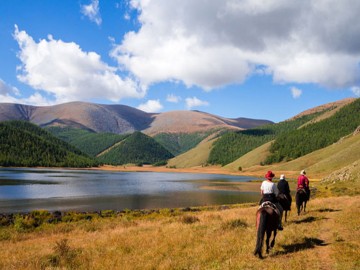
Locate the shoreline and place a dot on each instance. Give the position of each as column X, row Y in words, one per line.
column 197, row 170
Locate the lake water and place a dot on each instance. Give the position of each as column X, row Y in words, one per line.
column 23, row 190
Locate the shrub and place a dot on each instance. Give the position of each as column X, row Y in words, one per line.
column 64, row 257
column 233, row 224
column 24, row 223
column 187, row 219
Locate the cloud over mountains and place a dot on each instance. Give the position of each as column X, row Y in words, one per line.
column 215, row 43
column 204, row 43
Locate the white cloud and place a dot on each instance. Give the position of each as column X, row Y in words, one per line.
column 6, row 89
column 195, row 102
column 35, row 99
column 214, row 43
column 295, row 92
column 356, row 90
column 92, row 11
column 151, row 106
column 173, row 98
column 65, row 71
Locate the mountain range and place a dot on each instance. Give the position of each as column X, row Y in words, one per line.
column 121, row 119
column 324, row 138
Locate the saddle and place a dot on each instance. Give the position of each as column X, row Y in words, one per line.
column 271, row 205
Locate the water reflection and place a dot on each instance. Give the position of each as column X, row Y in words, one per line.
column 30, row 189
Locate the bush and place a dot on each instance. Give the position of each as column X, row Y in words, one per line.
column 189, row 219
column 24, row 223
column 236, row 223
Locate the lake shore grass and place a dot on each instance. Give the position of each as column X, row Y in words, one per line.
column 327, row 236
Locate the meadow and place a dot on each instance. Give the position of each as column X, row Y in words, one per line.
column 217, row 237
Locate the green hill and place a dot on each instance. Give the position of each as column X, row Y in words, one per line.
column 178, row 143
column 25, row 144
column 88, row 142
column 312, row 137
column 233, row 145
column 137, row 148
column 196, row 156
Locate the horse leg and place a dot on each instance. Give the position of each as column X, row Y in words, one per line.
column 268, row 235
column 305, row 206
column 273, row 241
column 286, row 215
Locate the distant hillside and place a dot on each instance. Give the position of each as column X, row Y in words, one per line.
column 95, row 117
column 195, row 121
column 88, row 142
column 137, row 148
column 233, row 145
column 197, row 156
column 330, row 108
column 178, row 143
column 121, row 119
column 337, row 162
column 314, row 136
column 25, row 144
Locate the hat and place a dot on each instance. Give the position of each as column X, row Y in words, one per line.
column 269, row 175
column 303, row 172
column 282, row 176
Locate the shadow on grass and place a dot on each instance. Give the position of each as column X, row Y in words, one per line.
column 307, row 243
column 322, row 210
column 307, row 220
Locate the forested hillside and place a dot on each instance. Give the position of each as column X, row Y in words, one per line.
column 315, row 136
column 178, row 143
column 233, row 145
column 137, row 148
column 88, row 142
column 25, row 144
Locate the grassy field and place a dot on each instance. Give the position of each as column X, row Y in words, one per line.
column 326, row 237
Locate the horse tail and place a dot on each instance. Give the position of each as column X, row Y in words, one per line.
column 261, row 228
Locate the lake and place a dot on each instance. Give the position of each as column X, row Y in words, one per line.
column 24, row 190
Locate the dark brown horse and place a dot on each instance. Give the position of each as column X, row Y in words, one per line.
column 301, row 198
column 285, row 203
column 267, row 220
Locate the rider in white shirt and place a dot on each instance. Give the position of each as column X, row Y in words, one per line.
column 269, row 192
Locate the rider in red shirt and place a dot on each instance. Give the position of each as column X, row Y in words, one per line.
column 303, row 182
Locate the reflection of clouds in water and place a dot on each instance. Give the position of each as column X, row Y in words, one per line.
column 115, row 190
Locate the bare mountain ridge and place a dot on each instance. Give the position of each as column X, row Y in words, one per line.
column 332, row 107
column 121, row 118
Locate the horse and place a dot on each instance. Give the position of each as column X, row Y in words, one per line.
column 285, row 203
column 267, row 220
column 301, row 200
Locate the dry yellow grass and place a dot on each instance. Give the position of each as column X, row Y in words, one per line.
column 326, row 237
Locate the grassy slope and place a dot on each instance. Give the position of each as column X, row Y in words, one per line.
column 197, row 156
column 250, row 159
column 322, row 162
column 326, row 237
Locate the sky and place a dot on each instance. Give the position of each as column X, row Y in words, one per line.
column 261, row 59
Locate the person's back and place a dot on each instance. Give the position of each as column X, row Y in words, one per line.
column 283, row 185
column 269, row 192
column 284, row 188
column 303, row 183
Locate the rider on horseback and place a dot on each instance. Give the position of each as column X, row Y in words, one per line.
column 303, row 183
column 283, row 187
column 269, row 192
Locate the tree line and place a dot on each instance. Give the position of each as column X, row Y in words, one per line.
column 25, row 144
column 233, row 145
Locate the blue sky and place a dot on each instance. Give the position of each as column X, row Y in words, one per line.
column 233, row 58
